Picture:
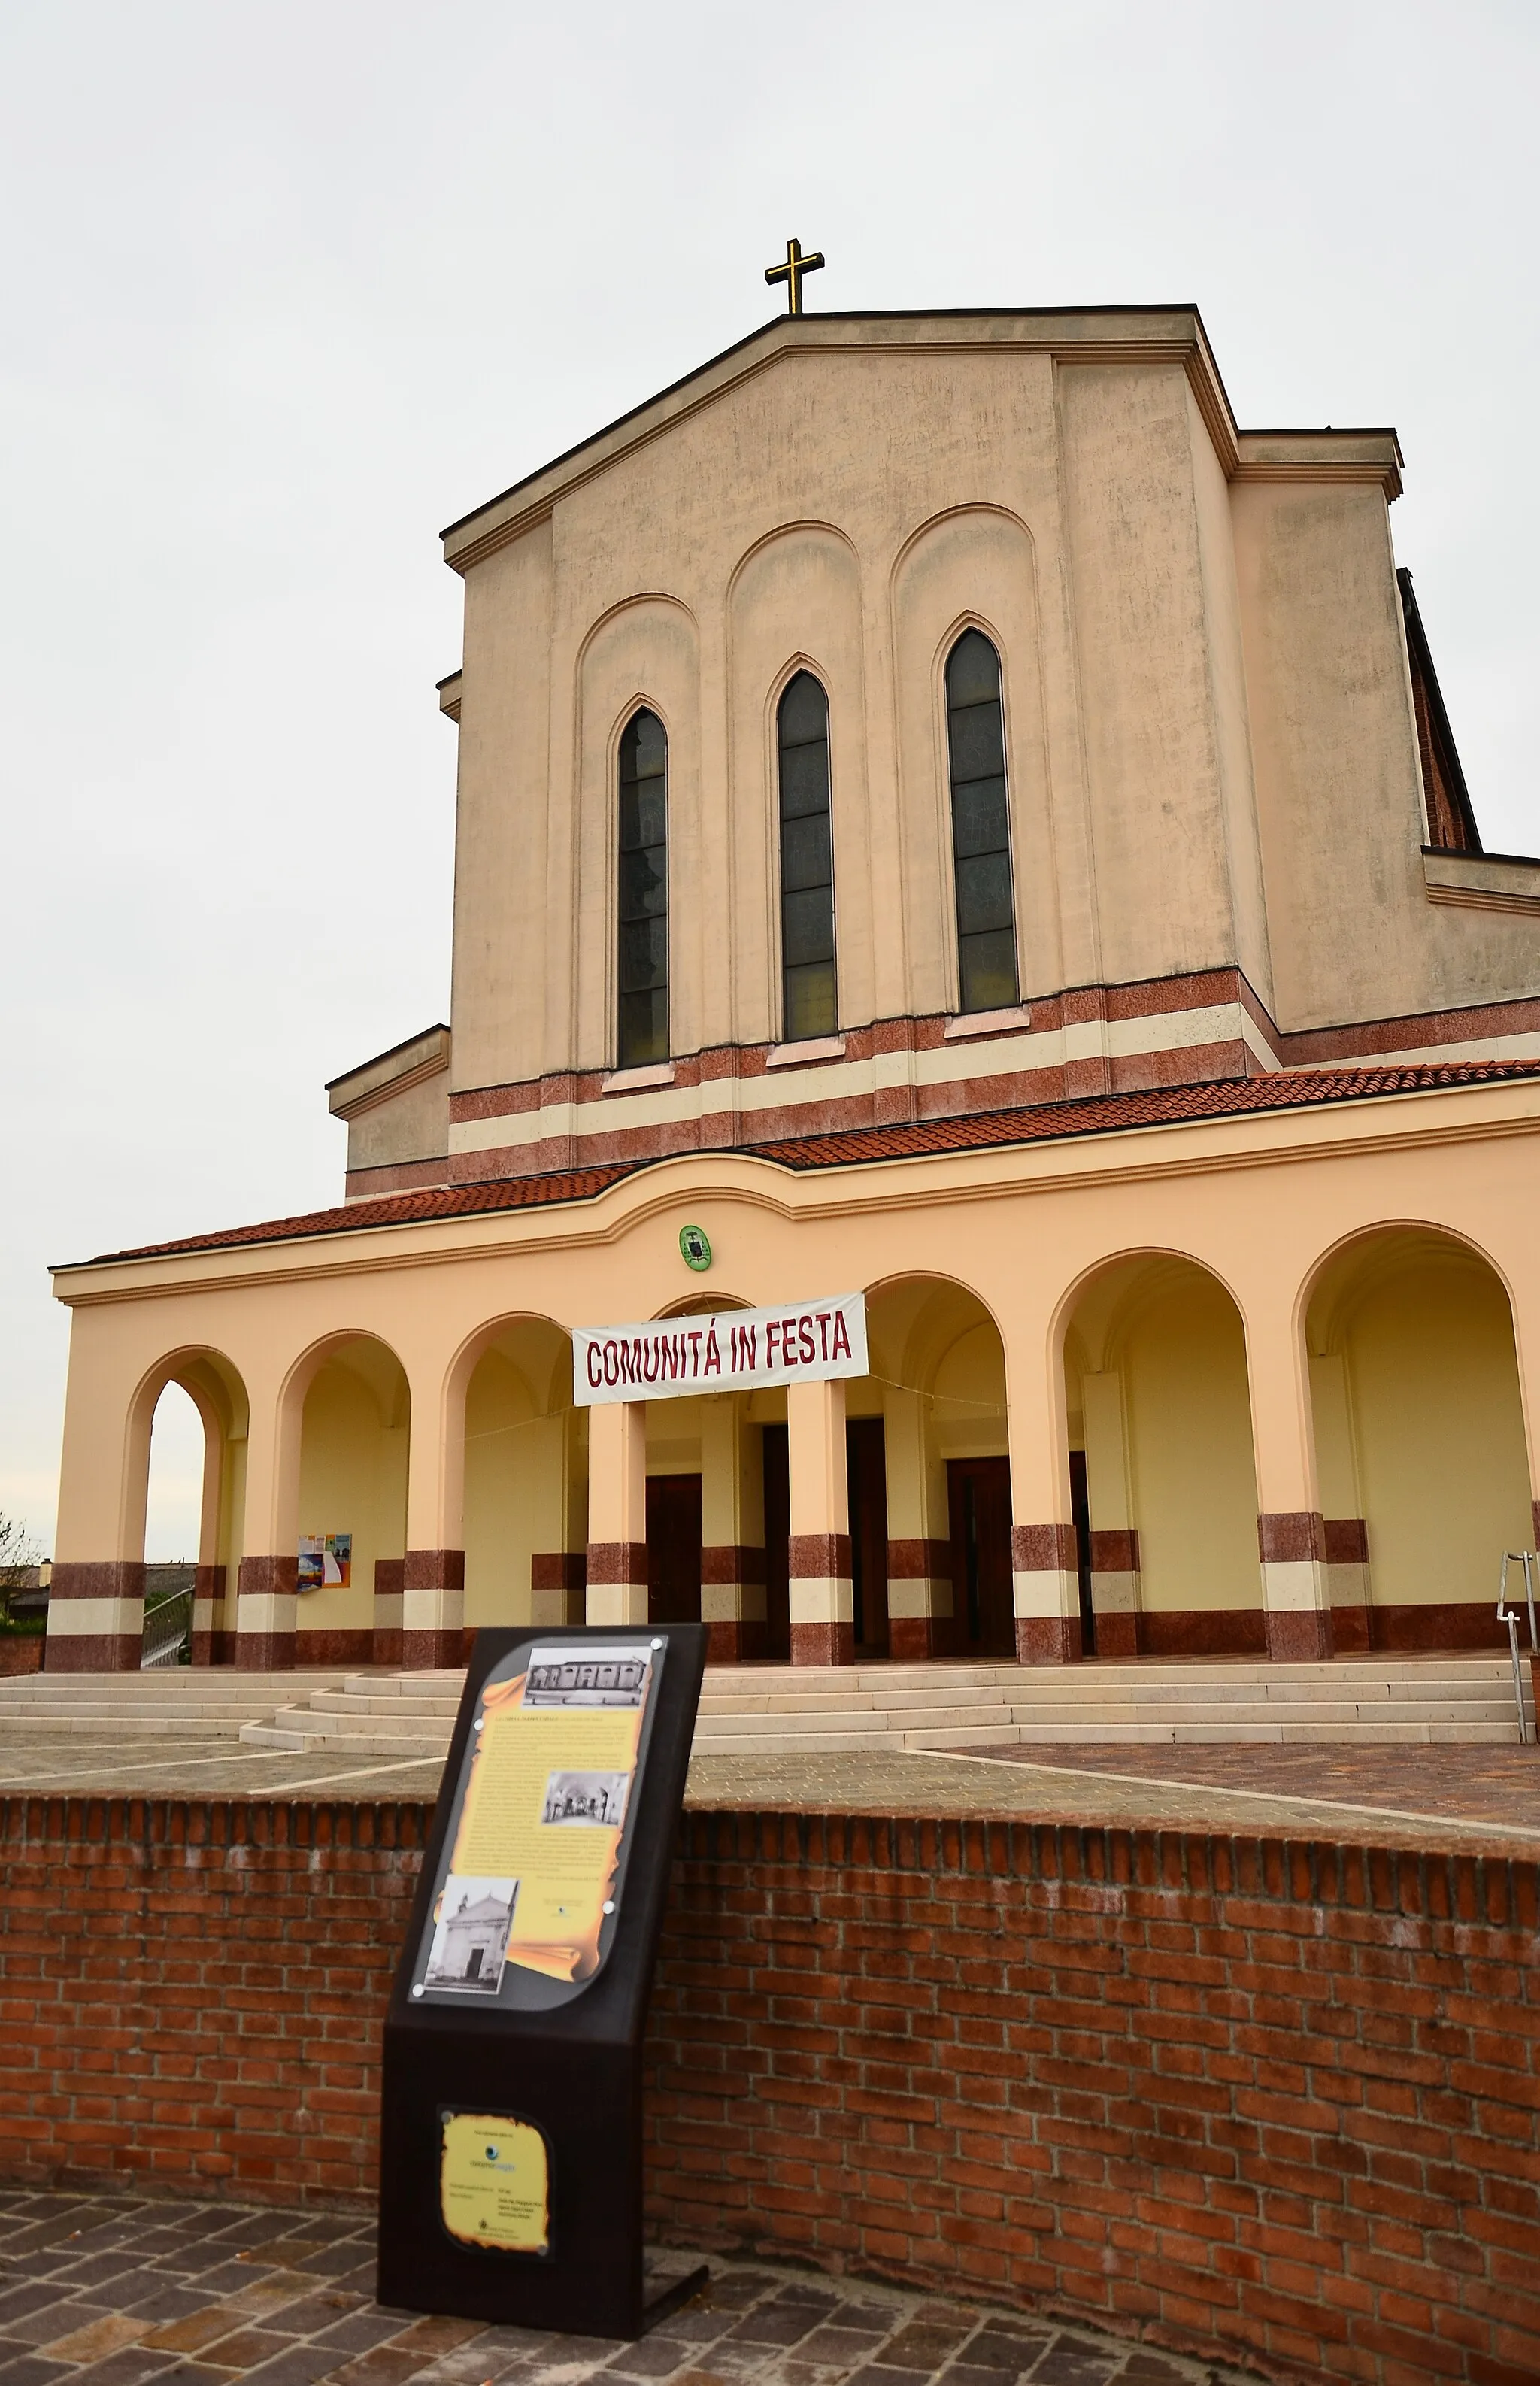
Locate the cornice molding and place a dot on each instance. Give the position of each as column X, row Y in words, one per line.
column 1426, row 1119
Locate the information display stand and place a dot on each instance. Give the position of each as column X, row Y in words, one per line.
column 510, row 2158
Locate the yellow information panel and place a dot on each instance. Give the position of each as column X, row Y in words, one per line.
column 533, row 1876
column 495, row 2183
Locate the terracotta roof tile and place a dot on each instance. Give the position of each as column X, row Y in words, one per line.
column 1039, row 1123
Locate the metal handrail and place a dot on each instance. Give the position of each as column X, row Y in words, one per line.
column 1530, row 1560
column 167, row 1627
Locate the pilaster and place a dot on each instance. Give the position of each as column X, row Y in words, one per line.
column 617, row 1563
column 817, row 1557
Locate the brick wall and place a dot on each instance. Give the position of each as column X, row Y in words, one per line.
column 1234, row 2093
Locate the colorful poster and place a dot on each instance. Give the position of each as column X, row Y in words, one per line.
column 495, row 2183
column 326, row 1561
column 535, row 1860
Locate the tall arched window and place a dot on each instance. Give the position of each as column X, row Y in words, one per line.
column 807, row 998
column 981, row 833
column 643, row 975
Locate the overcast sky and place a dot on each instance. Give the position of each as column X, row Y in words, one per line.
column 289, row 287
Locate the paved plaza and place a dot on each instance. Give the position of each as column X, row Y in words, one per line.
column 1453, row 1797
column 100, row 2291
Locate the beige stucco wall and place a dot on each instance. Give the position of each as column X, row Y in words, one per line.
column 1204, row 679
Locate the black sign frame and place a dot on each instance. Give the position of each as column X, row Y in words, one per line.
column 573, row 2070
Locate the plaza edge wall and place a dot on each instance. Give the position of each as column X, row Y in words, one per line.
column 1271, row 2100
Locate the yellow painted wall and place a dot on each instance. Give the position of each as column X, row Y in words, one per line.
column 353, row 1480
column 1437, row 1430
column 1182, row 1356
column 517, row 1489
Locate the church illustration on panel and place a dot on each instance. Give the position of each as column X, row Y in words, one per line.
column 947, row 816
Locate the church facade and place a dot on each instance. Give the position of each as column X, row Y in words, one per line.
column 943, row 814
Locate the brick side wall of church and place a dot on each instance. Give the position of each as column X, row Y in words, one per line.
column 1238, row 2094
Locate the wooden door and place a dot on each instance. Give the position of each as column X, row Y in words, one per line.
column 978, row 1494
column 867, row 1483
column 1080, row 1508
column 674, row 1548
column 778, row 1533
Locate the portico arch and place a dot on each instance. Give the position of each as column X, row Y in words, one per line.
column 213, row 1384
column 345, row 1427
column 1420, row 1451
column 1163, row 1476
column 525, row 1500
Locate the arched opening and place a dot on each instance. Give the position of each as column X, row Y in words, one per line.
column 928, row 1477
column 184, row 1502
column 355, row 1435
column 173, row 1523
column 705, row 1514
column 1420, row 1456
column 1163, row 1479
column 526, row 1478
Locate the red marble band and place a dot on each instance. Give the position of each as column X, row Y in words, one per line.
column 1042, row 1549
column 1298, row 1634
column 92, row 1653
column 1116, row 1552
column 819, row 1557
column 1346, row 1541
column 264, row 1578
column 558, row 1570
column 919, row 1561
column 1047, row 1640
column 433, row 1652
column 108, row 1578
column 433, row 1570
column 731, row 1562
column 1292, row 1536
column 612, row 1562
column 823, row 1644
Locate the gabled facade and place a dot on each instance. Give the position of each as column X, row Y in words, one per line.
column 943, row 812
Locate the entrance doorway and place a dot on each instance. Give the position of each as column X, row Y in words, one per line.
column 867, row 1484
column 674, row 1548
column 1079, row 1511
column 978, row 1496
column 778, row 1534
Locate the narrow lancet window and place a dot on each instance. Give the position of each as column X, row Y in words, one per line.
column 981, row 833
column 643, row 975
column 807, row 998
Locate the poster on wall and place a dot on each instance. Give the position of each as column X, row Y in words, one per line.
column 325, row 1562
column 530, row 1897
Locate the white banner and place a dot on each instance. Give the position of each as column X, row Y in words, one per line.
column 675, row 1357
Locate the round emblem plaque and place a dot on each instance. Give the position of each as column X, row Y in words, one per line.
column 695, row 1245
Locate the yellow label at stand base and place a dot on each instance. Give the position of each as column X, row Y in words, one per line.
column 495, row 2183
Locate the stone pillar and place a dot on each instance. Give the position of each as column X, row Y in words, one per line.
column 96, row 1597
column 1045, row 1575
column 617, row 1568
column 95, row 1616
column 389, row 1607
column 1291, row 1532
column 818, row 1555
column 1114, row 1552
column 732, row 1533
column 920, row 1560
column 267, row 1582
column 432, row 1608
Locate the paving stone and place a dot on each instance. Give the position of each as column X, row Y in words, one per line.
column 28, row 2370
column 301, row 2366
